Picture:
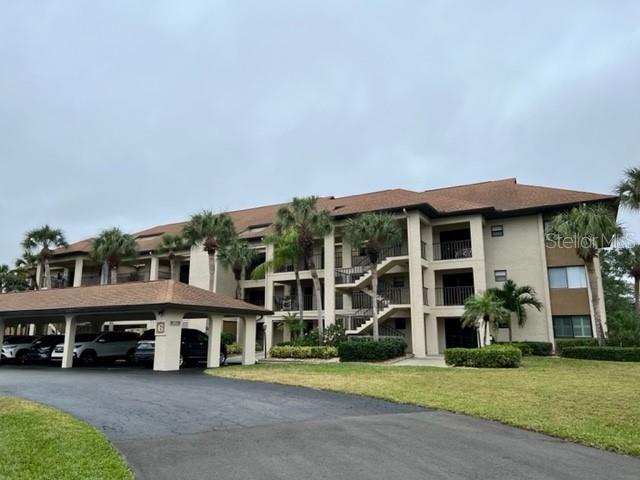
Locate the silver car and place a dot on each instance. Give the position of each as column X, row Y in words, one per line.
column 16, row 347
column 89, row 348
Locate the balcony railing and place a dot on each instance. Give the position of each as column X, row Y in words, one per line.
column 350, row 275
column 318, row 261
column 453, row 295
column 289, row 303
column 386, row 296
column 452, row 250
column 360, row 264
column 58, row 282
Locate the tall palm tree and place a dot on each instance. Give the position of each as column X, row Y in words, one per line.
column 43, row 241
column 286, row 250
column 590, row 227
column 629, row 259
column 212, row 232
column 111, row 247
column 309, row 223
column 629, row 188
column 28, row 264
column 484, row 311
column 171, row 244
column 237, row 256
column 373, row 231
column 515, row 299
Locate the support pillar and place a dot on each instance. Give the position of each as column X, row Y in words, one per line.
column 168, row 335
column 77, row 272
column 268, row 335
column 215, row 336
column 154, row 268
column 69, row 341
column 2, row 325
column 433, row 347
column 329, row 279
column 249, row 341
column 414, row 238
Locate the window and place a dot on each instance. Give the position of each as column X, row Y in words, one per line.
column 567, row 277
column 497, row 231
column 572, row 326
column 500, row 275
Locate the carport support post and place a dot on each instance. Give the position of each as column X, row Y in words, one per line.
column 1, row 331
column 249, row 341
column 69, row 341
column 215, row 336
column 168, row 333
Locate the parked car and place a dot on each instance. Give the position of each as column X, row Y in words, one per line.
column 42, row 349
column 16, row 347
column 90, row 348
column 193, row 347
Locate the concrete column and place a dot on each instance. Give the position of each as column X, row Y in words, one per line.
column 329, row 279
column 39, row 275
column 249, row 341
column 431, row 326
column 168, row 334
column 347, row 299
column 69, row 341
column 154, row 268
column 239, row 329
column 477, row 252
column 268, row 335
column 546, row 293
column 215, row 333
column 77, row 272
column 418, row 344
column 2, row 325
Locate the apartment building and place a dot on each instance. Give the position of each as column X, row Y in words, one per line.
column 456, row 241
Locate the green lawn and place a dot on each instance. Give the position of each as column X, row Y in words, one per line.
column 39, row 442
column 594, row 403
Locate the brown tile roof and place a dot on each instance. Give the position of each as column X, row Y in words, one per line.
column 124, row 297
column 497, row 197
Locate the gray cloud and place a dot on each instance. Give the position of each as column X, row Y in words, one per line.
column 136, row 113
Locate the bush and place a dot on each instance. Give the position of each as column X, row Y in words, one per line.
column 493, row 356
column 236, row 348
column 531, row 348
column 575, row 342
column 612, row 354
column 334, row 335
column 228, row 338
column 370, row 351
column 298, row 351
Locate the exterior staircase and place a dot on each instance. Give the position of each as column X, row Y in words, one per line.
column 359, row 276
column 389, row 302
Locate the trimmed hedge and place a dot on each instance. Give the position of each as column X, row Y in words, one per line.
column 370, row 351
column 574, row 342
column 236, row 348
column 612, row 354
column 299, row 351
column 492, row 356
column 527, row 348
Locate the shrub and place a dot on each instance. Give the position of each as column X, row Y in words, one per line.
column 334, row 335
column 575, row 342
column 531, row 348
column 613, row 354
column 370, row 351
column 493, row 356
column 298, row 351
column 228, row 338
column 236, row 348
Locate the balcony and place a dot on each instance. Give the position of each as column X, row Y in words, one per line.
column 453, row 296
column 452, row 250
column 289, row 303
column 318, row 261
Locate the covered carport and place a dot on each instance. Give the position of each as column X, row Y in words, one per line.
column 167, row 302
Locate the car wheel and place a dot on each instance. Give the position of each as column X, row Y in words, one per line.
column 89, row 358
column 21, row 356
column 130, row 358
column 182, row 359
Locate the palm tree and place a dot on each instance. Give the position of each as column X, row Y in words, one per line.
column 44, row 239
column 28, row 264
column 515, row 299
column 483, row 311
column 629, row 189
column 591, row 227
column 372, row 231
column 286, row 250
column 13, row 280
column 237, row 256
column 309, row 223
column 629, row 259
column 111, row 248
column 170, row 244
column 212, row 232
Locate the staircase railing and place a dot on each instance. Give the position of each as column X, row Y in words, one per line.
column 360, row 264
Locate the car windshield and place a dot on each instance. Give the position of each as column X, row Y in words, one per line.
column 148, row 335
column 20, row 339
column 53, row 339
column 86, row 337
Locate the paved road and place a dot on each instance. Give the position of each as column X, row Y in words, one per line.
column 188, row 425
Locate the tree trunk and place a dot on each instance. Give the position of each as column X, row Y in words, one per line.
column 636, row 292
column 510, row 327
column 595, row 300
column 374, row 301
column 317, row 290
column 46, row 281
column 104, row 274
column 212, row 269
column 114, row 275
column 299, row 290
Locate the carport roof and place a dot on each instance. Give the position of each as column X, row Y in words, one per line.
column 125, row 297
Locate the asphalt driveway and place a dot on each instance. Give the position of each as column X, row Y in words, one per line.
column 188, row 425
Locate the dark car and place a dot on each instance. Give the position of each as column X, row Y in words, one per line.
column 42, row 349
column 193, row 347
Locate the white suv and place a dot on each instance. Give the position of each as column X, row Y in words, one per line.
column 16, row 347
column 91, row 347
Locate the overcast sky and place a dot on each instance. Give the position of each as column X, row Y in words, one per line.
column 133, row 114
